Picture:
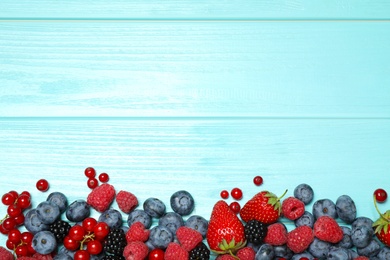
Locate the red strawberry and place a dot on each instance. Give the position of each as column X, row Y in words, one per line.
column 327, row 229
column 381, row 226
column 225, row 233
column 264, row 207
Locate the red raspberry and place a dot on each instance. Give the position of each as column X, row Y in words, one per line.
column 136, row 250
column 175, row 252
column 246, row 253
column 137, row 232
column 293, row 208
column 276, row 234
column 101, row 197
column 188, row 238
column 42, row 257
column 127, row 201
column 226, row 257
column 5, row 254
column 299, row 239
column 326, row 229
column 25, row 258
column 361, row 258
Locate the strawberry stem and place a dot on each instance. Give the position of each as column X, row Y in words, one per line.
column 231, row 253
column 282, row 195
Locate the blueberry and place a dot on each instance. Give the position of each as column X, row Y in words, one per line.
column 160, row 237
column 154, row 207
column 361, row 236
column 78, row 211
column 346, row 209
column 338, row 253
column 171, row 220
column 372, row 249
column 255, row 247
column 64, row 250
column 346, row 242
column 59, row 199
column 48, row 212
column 182, row 202
column 33, row 223
column 141, row 216
column 112, row 217
column 282, row 252
column 44, row 242
column 352, row 253
column 198, row 223
column 362, row 221
column 301, row 255
column 319, row 248
column 266, row 252
column 384, row 253
column 324, row 207
column 62, row 256
column 307, row 219
column 304, row 193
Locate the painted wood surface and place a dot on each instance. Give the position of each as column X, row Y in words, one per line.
column 201, row 97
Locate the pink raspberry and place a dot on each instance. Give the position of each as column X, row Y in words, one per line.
column 188, row 238
column 276, row 234
column 101, row 197
column 361, row 258
column 137, row 232
column 327, row 229
column 5, row 254
column 42, row 257
column 226, row 257
column 175, row 252
column 246, row 253
column 293, row 208
column 127, row 201
column 299, row 239
column 136, row 250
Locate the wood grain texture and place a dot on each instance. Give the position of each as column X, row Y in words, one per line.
column 201, row 9
column 266, row 69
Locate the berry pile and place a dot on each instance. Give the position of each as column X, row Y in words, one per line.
column 59, row 230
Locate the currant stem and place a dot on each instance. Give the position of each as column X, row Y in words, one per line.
column 1, row 220
column 86, row 238
column 377, row 209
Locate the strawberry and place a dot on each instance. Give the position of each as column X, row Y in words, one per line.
column 381, row 226
column 264, row 207
column 225, row 233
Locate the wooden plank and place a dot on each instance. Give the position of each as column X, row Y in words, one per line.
column 154, row 158
column 266, row 69
column 202, row 9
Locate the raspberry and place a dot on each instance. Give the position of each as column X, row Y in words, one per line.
column 188, row 238
column 5, row 254
column 361, row 258
column 226, row 257
column 175, row 252
column 42, row 257
column 327, row 229
column 293, row 208
column 26, row 258
column 136, row 250
column 299, row 239
column 127, row 201
column 101, row 197
column 246, row 253
column 276, row 235
column 137, row 232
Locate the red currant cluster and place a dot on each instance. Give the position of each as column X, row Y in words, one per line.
column 86, row 239
column 16, row 204
column 236, row 194
column 92, row 181
column 20, row 243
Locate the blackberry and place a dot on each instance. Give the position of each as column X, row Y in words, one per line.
column 201, row 252
column 60, row 229
column 113, row 257
column 115, row 242
column 255, row 231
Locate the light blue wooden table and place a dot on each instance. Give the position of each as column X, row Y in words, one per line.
column 198, row 96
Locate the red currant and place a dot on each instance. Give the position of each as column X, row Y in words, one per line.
column 235, row 207
column 26, row 193
column 14, row 211
column 21, row 250
column 236, row 193
column 24, row 201
column 101, row 230
column 14, row 193
column 81, row 255
column 3, row 230
column 76, row 232
column 258, row 180
column 27, row 237
column 70, row 243
column 92, row 183
column 10, row 244
column 19, row 220
column 90, row 172
column 14, row 235
column 103, row 177
column 380, row 195
column 156, row 254
column 94, row 247
column 9, row 223
column 224, row 194
column 89, row 223
column 8, row 199
column 42, row 185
